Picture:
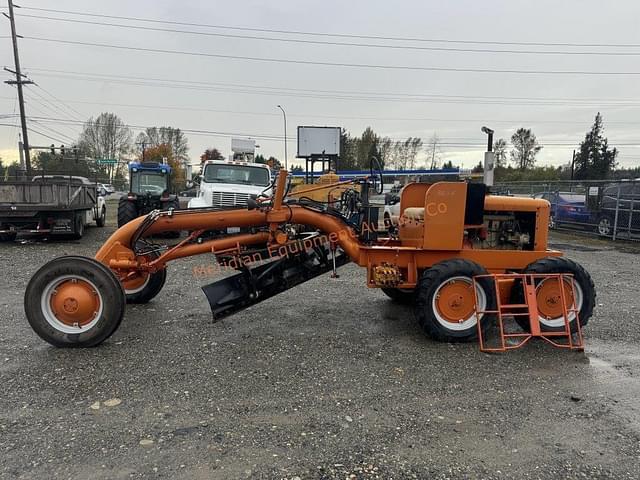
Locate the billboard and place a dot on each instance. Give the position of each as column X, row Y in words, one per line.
column 243, row 145
column 313, row 141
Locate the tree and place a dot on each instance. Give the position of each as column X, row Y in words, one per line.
column 106, row 136
column 173, row 137
column 211, row 154
column 274, row 163
column 367, row 147
column 500, row 152
column 165, row 151
column 595, row 160
column 260, row 159
column 479, row 168
column 434, row 152
column 448, row 165
column 296, row 169
column 525, row 148
column 348, row 159
column 405, row 153
column 385, row 148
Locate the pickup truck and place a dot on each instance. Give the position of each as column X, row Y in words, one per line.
column 51, row 205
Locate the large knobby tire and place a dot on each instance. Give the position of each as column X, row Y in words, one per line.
column 405, row 296
column 74, row 302
column 127, row 211
column 445, row 304
column 548, row 295
column 102, row 218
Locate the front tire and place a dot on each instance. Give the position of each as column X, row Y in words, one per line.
column 548, row 296
column 445, row 303
column 74, row 302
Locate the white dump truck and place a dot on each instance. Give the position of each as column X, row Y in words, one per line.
column 230, row 183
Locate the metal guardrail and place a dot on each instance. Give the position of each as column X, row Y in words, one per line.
column 606, row 209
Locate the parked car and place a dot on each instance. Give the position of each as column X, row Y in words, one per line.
column 567, row 208
column 627, row 205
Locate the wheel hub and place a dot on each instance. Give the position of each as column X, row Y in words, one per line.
column 549, row 298
column 455, row 301
column 75, row 302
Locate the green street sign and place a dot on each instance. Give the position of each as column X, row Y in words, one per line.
column 107, row 161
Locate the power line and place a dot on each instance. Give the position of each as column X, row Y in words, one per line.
column 333, row 64
column 70, row 109
column 338, row 35
column 336, row 43
column 338, row 117
column 455, row 141
column 337, row 94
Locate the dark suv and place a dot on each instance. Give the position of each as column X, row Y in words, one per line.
column 628, row 206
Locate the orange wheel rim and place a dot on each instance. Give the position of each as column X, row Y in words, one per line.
column 455, row 301
column 549, row 299
column 136, row 282
column 75, row 302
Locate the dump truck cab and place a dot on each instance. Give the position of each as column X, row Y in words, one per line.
column 231, row 183
column 149, row 189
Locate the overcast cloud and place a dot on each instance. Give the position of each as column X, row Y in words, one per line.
column 228, row 109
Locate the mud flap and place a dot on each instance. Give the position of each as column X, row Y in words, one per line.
column 253, row 285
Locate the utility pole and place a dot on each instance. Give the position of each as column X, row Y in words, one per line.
column 19, row 82
column 573, row 164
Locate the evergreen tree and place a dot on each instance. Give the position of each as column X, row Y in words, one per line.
column 594, row 160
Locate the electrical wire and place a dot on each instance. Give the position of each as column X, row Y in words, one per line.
column 338, row 35
column 339, row 94
column 336, row 43
column 333, row 64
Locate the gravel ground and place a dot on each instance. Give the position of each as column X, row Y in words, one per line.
column 328, row 380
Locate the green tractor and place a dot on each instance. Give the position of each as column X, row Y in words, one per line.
column 149, row 189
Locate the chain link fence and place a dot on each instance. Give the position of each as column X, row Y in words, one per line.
column 607, row 209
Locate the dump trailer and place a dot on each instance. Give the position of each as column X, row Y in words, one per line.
column 49, row 205
column 449, row 235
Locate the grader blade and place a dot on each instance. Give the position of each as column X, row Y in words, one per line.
column 253, row 285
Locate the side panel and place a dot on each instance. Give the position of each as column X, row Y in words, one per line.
column 444, row 216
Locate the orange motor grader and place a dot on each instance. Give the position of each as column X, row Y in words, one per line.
column 449, row 233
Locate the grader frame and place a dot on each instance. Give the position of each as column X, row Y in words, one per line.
column 433, row 249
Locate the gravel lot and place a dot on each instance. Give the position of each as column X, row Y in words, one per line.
column 328, row 380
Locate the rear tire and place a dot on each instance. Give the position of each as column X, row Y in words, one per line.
column 405, row 296
column 102, row 219
column 74, row 302
column 78, row 226
column 585, row 295
column 605, row 226
column 445, row 304
column 127, row 211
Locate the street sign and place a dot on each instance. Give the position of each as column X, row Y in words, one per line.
column 107, row 161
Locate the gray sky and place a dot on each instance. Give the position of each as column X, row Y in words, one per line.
column 558, row 107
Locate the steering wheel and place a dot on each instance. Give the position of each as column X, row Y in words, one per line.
column 375, row 169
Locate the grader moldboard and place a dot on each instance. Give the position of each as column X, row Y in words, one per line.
column 449, row 234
